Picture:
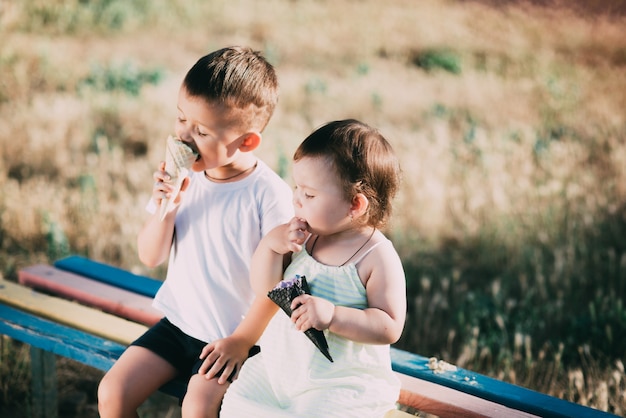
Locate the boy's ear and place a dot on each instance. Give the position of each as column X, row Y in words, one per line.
column 359, row 206
column 251, row 140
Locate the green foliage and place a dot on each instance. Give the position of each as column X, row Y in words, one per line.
column 58, row 244
column 77, row 16
column 315, row 86
column 14, row 376
column 568, row 293
column 283, row 164
column 377, row 101
column 125, row 77
column 437, row 59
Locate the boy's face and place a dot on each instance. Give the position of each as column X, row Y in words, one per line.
column 318, row 197
column 209, row 129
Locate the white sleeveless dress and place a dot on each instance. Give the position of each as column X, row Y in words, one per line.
column 291, row 378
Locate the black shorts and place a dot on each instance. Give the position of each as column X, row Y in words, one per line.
column 177, row 348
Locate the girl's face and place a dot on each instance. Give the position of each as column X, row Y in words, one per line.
column 207, row 128
column 318, row 197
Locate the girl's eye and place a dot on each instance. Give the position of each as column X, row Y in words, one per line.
column 202, row 134
column 304, row 194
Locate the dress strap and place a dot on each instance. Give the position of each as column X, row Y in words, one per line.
column 306, row 240
column 365, row 253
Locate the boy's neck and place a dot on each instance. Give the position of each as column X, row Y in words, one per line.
column 232, row 173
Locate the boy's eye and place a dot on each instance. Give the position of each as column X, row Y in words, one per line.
column 308, row 196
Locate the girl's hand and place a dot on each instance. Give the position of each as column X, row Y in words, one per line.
column 288, row 237
column 312, row 312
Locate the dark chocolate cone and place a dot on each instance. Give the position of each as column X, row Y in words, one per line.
column 284, row 293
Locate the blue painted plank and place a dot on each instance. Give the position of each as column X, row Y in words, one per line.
column 507, row 394
column 59, row 339
column 68, row 342
column 106, row 273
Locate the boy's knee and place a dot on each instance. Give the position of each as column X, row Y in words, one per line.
column 203, row 398
column 201, row 407
column 110, row 397
column 105, row 395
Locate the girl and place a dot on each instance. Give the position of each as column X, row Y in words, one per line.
column 346, row 176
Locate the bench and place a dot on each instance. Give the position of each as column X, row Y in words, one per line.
column 89, row 311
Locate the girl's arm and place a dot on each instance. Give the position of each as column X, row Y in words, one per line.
column 381, row 323
column 273, row 254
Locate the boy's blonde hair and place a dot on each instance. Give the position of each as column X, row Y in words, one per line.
column 240, row 79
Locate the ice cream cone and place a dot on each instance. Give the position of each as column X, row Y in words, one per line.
column 288, row 290
column 178, row 159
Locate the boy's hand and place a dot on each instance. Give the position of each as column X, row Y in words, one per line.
column 163, row 187
column 225, row 356
column 311, row 312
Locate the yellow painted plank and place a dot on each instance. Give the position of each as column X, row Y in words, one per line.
column 70, row 313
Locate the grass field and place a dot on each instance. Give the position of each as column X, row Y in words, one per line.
column 508, row 118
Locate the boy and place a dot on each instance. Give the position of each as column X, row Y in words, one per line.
column 229, row 202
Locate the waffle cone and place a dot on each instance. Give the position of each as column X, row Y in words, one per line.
column 287, row 291
column 178, row 159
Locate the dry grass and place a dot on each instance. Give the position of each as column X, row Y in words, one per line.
column 508, row 121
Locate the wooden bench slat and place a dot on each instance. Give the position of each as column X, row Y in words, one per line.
column 69, row 313
column 68, row 342
column 446, row 402
column 111, row 299
column 512, row 396
column 105, row 273
column 60, row 339
column 458, row 393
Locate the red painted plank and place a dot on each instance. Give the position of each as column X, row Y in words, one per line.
column 89, row 292
column 450, row 403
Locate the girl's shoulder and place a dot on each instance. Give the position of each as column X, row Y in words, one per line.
column 380, row 258
column 379, row 244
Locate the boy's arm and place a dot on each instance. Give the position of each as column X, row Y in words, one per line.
column 227, row 355
column 155, row 238
column 266, row 269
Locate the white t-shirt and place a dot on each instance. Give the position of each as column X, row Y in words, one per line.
column 218, row 226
